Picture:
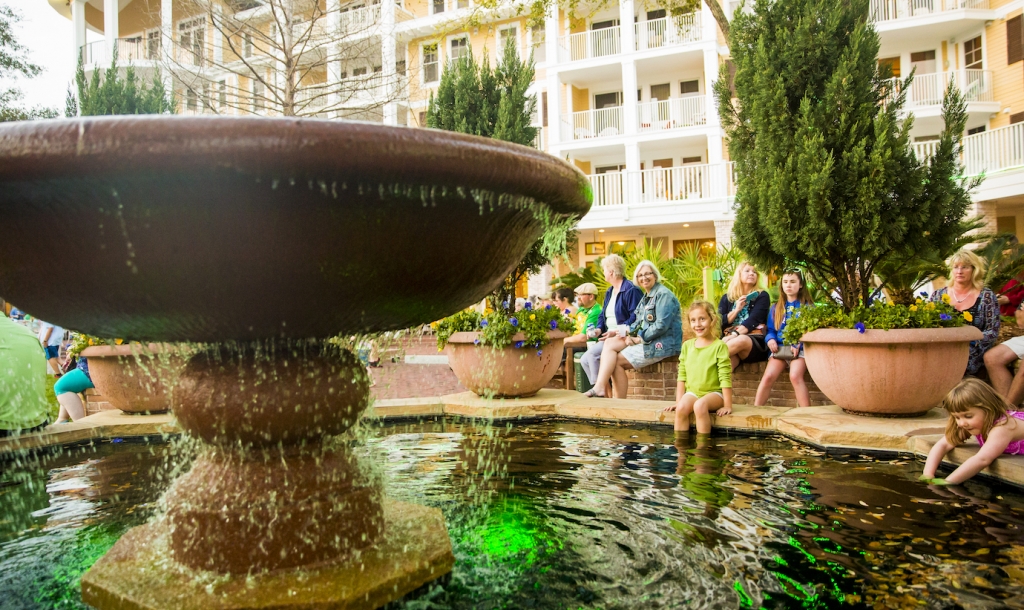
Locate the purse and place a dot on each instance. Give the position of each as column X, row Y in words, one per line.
column 785, row 353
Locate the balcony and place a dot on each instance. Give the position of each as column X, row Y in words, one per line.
column 927, row 90
column 93, row 53
column 882, row 11
column 587, row 124
column 664, row 185
column 589, row 44
column 668, row 31
column 671, row 114
column 359, row 19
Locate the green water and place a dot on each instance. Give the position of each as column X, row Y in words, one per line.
column 566, row 515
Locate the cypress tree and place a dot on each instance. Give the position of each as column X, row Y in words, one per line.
column 827, row 177
column 108, row 93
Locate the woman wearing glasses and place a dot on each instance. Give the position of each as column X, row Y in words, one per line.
column 656, row 334
column 967, row 293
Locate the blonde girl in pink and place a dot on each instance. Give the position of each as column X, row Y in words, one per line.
column 705, row 373
column 975, row 409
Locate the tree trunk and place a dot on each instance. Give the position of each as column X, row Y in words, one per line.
column 720, row 16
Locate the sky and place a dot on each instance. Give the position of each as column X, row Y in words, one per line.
column 49, row 40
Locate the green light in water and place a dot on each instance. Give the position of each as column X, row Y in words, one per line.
column 745, row 600
column 513, row 531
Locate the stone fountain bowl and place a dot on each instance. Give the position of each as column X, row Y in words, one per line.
column 211, row 228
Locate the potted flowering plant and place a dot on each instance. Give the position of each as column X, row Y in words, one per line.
column 504, row 353
column 885, row 360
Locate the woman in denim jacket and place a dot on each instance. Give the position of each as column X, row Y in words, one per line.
column 656, row 334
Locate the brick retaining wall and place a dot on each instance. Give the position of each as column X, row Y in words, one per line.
column 658, row 382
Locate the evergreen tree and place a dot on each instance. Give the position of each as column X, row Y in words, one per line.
column 827, row 177
column 109, row 93
column 493, row 104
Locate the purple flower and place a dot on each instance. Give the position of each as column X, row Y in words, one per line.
column 527, row 305
column 539, row 352
column 924, row 293
column 554, row 324
column 504, row 304
column 536, row 343
column 547, row 307
column 945, row 317
column 513, row 321
column 568, row 311
column 860, row 327
column 476, row 341
column 483, row 322
column 519, row 344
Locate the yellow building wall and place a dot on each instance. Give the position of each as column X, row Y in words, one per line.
column 420, row 8
column 584, row 166
column 580, row 99
column 137, row 17
column 1008, row 81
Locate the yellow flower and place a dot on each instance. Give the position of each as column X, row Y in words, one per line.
column 945, row 299
column 930, row 306
column 968, row 317
column 533, row 316
column 918, row 301
column 913, row 308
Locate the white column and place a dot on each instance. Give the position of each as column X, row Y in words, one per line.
column 333, row 55
column 110, row 26
column 218, row 39
column 389, row 57
column 167, row 41
column 632, row 174
column 629, row 103
column 78, row 27
column 714, row 123
column 627, row 26
column 551, row 34
column 709, row 25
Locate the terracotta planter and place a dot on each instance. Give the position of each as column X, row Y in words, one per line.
column 135, row 378
column 888, row 373
column 505, row 372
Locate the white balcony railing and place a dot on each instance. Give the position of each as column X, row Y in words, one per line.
column 993, row 151
column 672, row 114
column 662, row 185
column 593, row 124
column 891, row 10
column 538, row 140
column 359, row 19
column 928, row 89
column 93, row 53
column 590, row 44
column 668, row 31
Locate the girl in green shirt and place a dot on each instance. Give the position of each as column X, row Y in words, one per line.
column 705, row 372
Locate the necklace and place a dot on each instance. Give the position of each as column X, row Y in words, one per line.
column 958, row 299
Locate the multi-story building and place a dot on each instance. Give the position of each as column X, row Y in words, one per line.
column 657, row 159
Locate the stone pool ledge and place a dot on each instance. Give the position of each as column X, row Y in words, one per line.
column 103, row 425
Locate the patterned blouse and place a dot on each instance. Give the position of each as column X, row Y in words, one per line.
column 985, row 312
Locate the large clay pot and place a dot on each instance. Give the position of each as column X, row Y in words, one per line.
column 135, row 378
column 888, row 373
column 504, row 372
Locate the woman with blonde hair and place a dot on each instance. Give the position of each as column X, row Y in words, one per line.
column 967, row 293
column 744, row 313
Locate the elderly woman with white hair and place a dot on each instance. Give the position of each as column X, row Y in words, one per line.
column 656, row 334
column 620, row 301
column 967, row 293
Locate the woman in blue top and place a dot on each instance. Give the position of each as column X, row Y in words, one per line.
column 793, row 295
column 656, row 334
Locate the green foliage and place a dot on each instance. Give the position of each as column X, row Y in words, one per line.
column 494, row 104
column 1005, row 258
column 827, row 178
column 498, row 328
column 13, row 64
column 880, row 316
column 109, row 93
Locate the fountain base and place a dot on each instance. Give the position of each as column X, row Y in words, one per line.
column 413, row 550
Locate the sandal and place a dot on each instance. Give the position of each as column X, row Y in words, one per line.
column 592, row 394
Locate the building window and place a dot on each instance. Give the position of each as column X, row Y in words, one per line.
column 247, row 45
column 192, row 37
column 259, row 101
column 430, row 63
column 975, row 130
column 222, row 94
column 460, row 48
column 972, row 54
column 507, row 36
column 463, row 3
column 438, row 6
column 607, row 100
column 400, row 67
column 359, row 71
column 153, row 45
column 689, row 87
column 191, row 101
column 422, row 118
column 1017, row 117
column 539, row 44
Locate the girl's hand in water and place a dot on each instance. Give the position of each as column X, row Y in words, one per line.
column 931, row 481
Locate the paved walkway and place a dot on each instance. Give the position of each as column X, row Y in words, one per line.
column 407, row 378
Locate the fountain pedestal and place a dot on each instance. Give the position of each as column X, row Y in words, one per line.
column 274, row 507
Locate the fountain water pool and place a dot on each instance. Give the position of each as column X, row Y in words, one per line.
column 565, row 514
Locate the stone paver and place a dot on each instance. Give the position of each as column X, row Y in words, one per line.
column 105, row 424
column 542, row 404
column 1009, row 468
column 831, row 427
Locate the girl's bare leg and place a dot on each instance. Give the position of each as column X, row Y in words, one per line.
column 772, row 371
column 709, row 403
column 797, row 367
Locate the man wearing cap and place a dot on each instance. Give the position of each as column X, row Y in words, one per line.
column 587, row 316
